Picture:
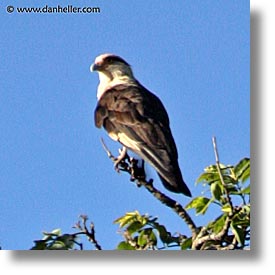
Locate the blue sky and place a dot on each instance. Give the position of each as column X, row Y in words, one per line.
column 193, row 54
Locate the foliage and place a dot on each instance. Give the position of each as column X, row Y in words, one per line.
column 230, row 191
column 142, row 232
column 227, row 187
column 54, row 240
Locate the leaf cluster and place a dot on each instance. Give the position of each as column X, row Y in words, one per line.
column 143, row 232
column 55, row 240
column 230, row 191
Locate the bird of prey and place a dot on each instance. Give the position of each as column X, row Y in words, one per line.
column 137, row 119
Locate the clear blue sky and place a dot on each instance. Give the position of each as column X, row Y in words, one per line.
column 193, row 54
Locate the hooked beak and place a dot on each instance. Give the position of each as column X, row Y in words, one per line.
column 94, row 67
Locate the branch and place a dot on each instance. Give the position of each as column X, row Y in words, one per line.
column 202, row 238
column 174, row 205
column 130, row 166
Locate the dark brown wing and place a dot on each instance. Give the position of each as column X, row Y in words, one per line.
column 137, row 119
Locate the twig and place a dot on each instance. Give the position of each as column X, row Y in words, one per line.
column 221, row 176
column 109, row 154
column 84, row 231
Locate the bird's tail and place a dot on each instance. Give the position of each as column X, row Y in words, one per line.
column 176, row 184
column 168, row 172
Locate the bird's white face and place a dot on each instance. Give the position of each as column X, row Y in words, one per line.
column 112, row 71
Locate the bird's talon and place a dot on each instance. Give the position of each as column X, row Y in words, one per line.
column 120, row 160
column 116, row 165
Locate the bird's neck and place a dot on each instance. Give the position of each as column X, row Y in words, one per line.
column 107, row 82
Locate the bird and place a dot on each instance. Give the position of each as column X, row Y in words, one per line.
column 137, row 119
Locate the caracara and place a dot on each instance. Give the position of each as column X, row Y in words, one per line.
column 137, row 119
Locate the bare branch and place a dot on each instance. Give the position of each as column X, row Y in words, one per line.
column 84, row 231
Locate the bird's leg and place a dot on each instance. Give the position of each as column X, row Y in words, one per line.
column 120, row 160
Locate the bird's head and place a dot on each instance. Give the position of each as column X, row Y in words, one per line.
column 112, row 70
column 111, row 66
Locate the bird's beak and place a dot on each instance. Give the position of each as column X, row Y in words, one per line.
column 93, row 67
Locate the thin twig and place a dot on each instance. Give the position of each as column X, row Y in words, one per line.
column 221, row 176
column 84, row 231
column 109, row 154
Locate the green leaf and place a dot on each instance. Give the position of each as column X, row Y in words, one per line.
column 146, row 236
column 54, row 233
column 164, row 235
column 243, row 217
column 142, row 239
column 130, row 217
column 125, row 246
column 57, row 245
column 246, row 190
column 127, row 218
column 68, row 240
column 230, row 181
column 242, row 170
column 218, row 224
column 134, row 227
column 212, row 175
column 200, row 204
column 122, row 221
column 246, row 209
column 187, row 243
column 226, row 208
column 238, row 232
column 216, row 190
column 213, row 168
column 208, row 177
column 39, row 245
